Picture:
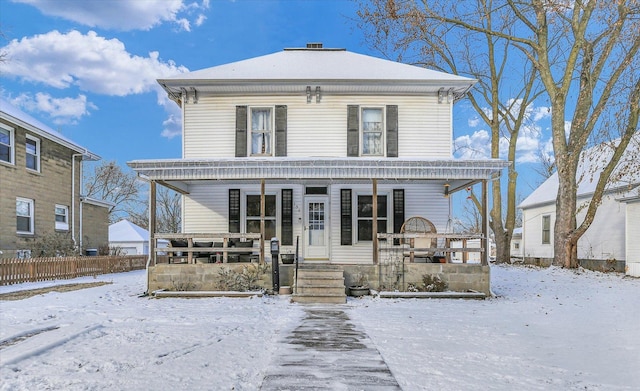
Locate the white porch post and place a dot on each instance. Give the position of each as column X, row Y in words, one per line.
column 152, row 222
column 375, row 220
column 262, row 212
column 485, row 224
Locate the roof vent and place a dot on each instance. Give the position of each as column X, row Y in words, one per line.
column 314, row 45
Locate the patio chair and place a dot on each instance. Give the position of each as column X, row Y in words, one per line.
column 419, row 225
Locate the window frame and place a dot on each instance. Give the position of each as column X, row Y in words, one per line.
column 36, row 155
column 12, row 144
column 61, row 225
column 271, row 131
column 546, row 229
column 356, row 215
column 382, row 131
column 31, row 216
column 244, row 217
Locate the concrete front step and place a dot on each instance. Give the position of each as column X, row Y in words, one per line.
column 318, row 299
column 320, row 283
column 320, row 289
column 339, row 274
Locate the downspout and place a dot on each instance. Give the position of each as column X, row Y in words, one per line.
column 73, row 196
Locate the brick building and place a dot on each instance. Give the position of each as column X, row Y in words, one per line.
column 40, row 187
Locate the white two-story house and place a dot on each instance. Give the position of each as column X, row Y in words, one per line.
column 340, row 147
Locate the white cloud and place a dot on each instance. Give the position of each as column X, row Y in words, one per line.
column 119, row 14
column 474, row 146
column 90, row 62
column 62, row 110
column 200, row 20
column 473, row 122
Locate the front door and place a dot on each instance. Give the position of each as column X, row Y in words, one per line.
column 316, row 228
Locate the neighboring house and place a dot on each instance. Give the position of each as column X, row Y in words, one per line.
column 339, row 146
column 516, row 243
column 611, row 238
column 130, row 238
column 632, row 228
column 40, row 187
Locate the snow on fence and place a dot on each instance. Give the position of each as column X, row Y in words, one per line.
column 16, row 270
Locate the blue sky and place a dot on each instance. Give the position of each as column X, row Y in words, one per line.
column 88, row 68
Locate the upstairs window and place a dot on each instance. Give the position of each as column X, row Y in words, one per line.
column 33, row 153
column 6, row 144
column 261, row 131
column 372, row 132
column 62, row 217
column 24, row 216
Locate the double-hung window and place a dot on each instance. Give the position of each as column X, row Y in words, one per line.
column 546, row 229
column 253, row 214
column 24, row 216
column 6, row 144
column 33, row 153
column 261, row 131
column 365, row 216
column 372, row 132
column 62, row 217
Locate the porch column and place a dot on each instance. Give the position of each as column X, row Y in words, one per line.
column 374, row 182
column 485, row 224
column 262, row 212
column 152, row 222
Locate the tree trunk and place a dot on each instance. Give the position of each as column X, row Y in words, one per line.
column 564, row 241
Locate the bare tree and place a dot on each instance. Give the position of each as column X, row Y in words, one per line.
column 109, row 183
column 169, row 212
column 413, row 32
column 586, row 55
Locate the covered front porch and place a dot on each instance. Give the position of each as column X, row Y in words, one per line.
column 391, row 260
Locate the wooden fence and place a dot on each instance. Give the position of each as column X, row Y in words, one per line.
column 15, row 270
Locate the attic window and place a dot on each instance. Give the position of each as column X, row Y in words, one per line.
column 314, row 45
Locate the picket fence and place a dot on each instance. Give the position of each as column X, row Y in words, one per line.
column 16, row 270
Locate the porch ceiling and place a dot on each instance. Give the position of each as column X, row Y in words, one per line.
column 316, row 168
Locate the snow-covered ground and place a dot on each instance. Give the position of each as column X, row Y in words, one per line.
column 548, row 329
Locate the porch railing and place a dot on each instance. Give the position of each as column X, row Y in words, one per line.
column 404, row 245
column 219, row 253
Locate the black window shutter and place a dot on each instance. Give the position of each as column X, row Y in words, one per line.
column 398, row 212
column 287, row 217
column 346, row 218
column 234, row 210
column 241, row 131
column 281, row 130
column 392, row 131
column 353, row 130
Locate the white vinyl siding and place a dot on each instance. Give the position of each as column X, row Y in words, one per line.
column 592, row 245
column 206, row 209
column 318, row 130
column 633, row 244
column 421, row 199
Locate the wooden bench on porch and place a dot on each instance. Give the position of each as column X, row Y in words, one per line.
column 192, row 248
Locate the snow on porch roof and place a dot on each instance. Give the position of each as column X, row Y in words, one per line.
column 315, row 168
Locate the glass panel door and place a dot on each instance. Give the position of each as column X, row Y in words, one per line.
column 316, row 229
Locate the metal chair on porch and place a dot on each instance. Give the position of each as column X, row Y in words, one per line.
column 419, row 226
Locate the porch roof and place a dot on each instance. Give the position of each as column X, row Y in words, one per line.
column 316, row 168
